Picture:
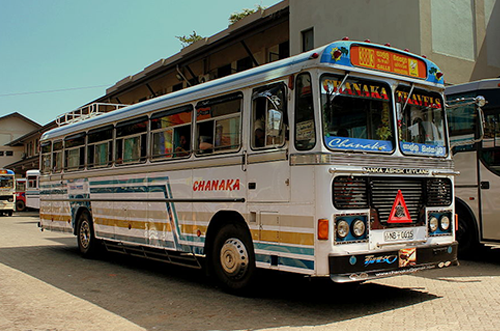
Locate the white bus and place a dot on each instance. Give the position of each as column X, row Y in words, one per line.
column 32, row 189
column 477, row 199
column 7, row 192
column 332, row 163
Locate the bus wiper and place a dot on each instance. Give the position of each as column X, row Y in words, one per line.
column 408, row 98
column 339, row 88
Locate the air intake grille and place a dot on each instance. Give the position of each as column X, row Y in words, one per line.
column 350, row 192
column 438, row 192
column 384, row 192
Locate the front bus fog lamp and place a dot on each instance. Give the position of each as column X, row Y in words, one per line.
column 444, row 223
column 433, row 224
column 358, row 228
column 342, row 229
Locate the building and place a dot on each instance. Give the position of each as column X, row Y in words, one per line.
column 460, row 36
column 13, row 126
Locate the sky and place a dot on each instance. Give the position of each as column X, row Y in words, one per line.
column 57, row 55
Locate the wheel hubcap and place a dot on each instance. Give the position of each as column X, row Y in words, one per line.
column 234, row 258
column 84, row 234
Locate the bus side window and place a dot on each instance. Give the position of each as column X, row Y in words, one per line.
column 74, row 152
column 305, row 131
column 46, row 150
column 99, row 144
column 218, row 124
column 57, row 153
column 131, row 141
column 171, row 133
column 268, row 114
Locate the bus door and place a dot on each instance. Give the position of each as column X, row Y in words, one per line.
column 489, row 175
column 268, row 170
column 267, row 165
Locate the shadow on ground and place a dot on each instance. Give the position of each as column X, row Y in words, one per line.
column 159, row 296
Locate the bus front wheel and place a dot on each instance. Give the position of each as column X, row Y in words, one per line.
column 466, row 235
column 87, row 243
column 232, row 259
column 20, row 206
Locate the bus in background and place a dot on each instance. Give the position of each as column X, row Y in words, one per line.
column 32, row 189
column 20, row 194
column 7, row 192
column 331, row 163
column 477, row 188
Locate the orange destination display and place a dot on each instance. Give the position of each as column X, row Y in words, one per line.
column 384, row 60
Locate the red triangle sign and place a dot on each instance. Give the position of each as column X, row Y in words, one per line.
column 399, row 212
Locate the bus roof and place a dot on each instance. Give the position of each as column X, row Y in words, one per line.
column 32, row 172
column 484, row 84
column 6, row 172
column 386, row 61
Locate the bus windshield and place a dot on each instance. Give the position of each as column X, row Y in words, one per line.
column 6, row 182
column 357, row 114
column 421, row 122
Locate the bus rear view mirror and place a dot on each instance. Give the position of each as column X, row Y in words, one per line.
column 274, row 123
column 466, row 120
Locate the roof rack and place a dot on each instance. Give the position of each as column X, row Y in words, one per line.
column 86, row 112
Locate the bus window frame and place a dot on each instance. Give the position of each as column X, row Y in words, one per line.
column 258, row 94
column 91, row 147
column 216, row 119
column 174, row 128
column 142, row 137
column 80, row 149
column 343, row 80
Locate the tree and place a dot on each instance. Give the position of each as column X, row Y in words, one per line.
column 235, row 17
column 191, row 39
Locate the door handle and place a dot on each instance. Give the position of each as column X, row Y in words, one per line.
column 485, row 185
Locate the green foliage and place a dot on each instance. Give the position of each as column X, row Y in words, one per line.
column 188, row 40
column 235, row 17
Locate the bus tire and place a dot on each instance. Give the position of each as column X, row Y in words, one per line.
column 466, row 235
column 232, row 260
column 87, row 242
column 20, row 206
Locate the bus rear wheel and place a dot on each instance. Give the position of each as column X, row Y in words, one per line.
column 232, row 259
column 87, row 243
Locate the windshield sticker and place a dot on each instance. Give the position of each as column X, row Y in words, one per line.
column 360, row 89
column 358, row 144
column 422, row 149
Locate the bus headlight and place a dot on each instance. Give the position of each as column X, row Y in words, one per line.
column 342, row 229
column 444, row 223
column 358, row 228
column 433, row 224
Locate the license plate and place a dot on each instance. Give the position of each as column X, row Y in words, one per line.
column 398, row 235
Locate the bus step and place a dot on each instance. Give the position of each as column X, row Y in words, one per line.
column 180, row 258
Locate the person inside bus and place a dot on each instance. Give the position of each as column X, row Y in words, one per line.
column 182, row 148
column 206, row 139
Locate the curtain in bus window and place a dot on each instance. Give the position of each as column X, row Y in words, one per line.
column 357, row 115
column 131, row 149
column 163, row 143
column 73, row 158
column 101, row 154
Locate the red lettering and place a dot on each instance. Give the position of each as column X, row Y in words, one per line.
column 222, row 185
column 236, row 185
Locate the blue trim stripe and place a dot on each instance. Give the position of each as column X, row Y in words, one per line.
column 284, row 249
column 286, row 261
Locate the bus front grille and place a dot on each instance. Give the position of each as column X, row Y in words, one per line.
column 385, row 190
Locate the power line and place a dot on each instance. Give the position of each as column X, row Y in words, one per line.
column 53, row 91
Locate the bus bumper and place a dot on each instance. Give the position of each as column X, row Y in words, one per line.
column 373, row 265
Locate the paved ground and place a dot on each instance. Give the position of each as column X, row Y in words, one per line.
column 46, row 285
